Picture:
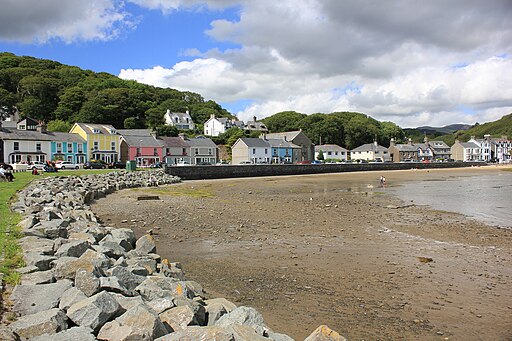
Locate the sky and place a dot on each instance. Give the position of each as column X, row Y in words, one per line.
column 411, row 62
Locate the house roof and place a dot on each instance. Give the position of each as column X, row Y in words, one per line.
column 201, row 141
column 469, row 145
column 289, row 135
column 31, row 135
column 172, row 141
column 140, row 138
column 369, row 147
column 329, row 148
column 254, row 142
column 280, row 143
column 406, row 147
column 102, row 128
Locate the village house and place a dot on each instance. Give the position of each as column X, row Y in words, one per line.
column 433, row 151
column 176, row 150
column 251, row 150
column 332, row 152
column 370, row 152
column 465, row 151
column 298, row 138
column 102, row 141
column 255, row 125
column 403, row 152
column 283, row 151
column 190, row 151
column 218, row 125
column 140, row 145
column 30, row 142
column 180, row 120
column 503, row 149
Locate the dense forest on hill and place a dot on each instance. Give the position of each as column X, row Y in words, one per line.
column 47, row 90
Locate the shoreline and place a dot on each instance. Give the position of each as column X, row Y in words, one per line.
column 332, row 249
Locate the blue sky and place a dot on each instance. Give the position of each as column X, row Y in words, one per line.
column 407, row 61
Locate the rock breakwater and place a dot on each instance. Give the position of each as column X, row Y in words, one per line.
column 87, row 281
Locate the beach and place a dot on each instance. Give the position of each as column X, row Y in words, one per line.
column 335, row 249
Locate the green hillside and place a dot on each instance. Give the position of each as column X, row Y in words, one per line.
column 47, row 90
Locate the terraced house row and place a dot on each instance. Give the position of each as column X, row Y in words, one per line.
column 29, row 141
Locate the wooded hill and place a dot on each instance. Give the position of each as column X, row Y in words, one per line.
column 47, row 90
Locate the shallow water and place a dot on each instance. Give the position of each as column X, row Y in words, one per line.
column 487, row 198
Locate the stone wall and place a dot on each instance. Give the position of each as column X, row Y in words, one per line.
column 87, row 281
column 239, row 171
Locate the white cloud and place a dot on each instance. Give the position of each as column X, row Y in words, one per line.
column 69, row 21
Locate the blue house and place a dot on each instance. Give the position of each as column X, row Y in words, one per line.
column 283, row 151
column 68, row 147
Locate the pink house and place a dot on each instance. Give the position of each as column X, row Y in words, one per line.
column 140, row 145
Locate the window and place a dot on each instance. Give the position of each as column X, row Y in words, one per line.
column 16, row 146
column 209, row 151
column 38, row 147
column 155, row 151
column 80, row 148
column 184, row 152
column 113, row 145
column 254, row 151
column 22, row 127
column 95, row 145
column 59, row 147
column 266, row 150
column 70, row 147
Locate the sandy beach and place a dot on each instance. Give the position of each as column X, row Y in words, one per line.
column 333, row 249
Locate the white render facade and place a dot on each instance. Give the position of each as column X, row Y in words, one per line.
column 332, row 152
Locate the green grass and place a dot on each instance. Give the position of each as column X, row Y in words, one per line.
column 11, row 256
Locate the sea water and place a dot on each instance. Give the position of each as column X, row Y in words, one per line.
column 486, row 197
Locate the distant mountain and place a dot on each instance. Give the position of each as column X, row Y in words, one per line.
column 443, row 130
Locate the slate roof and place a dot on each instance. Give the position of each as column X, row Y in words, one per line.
column 254, row 142
column 369, row 147
column 31, row 135
column 329, row 148
column 406, row 147
column 172, row 141
column 469, row 145
column 201, row 141
column 140, row 138
column 280, row 143
column 289, row 135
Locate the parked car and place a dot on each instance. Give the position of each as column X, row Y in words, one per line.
column 95, row 165
column 116, row 165
column 36, row 164
column 156, row 165
column 66, row 165
column 246, row 162
column 203, row 164
column 183, row 163
column 316, row 162
column 304, row 162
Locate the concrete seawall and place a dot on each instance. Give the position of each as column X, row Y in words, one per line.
column 241, row 171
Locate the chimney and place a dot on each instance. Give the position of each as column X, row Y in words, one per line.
column 254, row 118
column 375, row 143
column 186, row 112
column 457, row 141
column 392, row 142
column 42, row 128
column 472, row 137
column 212, row 115
column 154, row 133
column 409, row 141
column 503, row 137
column 182, row 136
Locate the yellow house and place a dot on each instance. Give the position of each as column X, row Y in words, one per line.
column 102, row 141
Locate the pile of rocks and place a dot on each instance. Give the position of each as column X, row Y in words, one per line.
column 86, row 281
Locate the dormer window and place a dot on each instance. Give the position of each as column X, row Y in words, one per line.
column 95, row 131
column 113, row 132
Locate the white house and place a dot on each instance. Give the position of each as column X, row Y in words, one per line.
column 180, row 120
column 503, row 147
column 370, row 151
column 218, row 125
column 252, row 150
column 465, row 151
column 332, row 152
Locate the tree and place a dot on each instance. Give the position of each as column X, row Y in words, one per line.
column 165, row 130
column 70, row 103
column 284, row 121
column 59, row 125
column 154, row 118
column 320, row 156
column 7, row 104
column 389, row 130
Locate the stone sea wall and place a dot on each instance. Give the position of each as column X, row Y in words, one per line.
column 240, row 171
column 86, row 281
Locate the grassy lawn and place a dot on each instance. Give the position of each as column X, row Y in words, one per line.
column 11, row 254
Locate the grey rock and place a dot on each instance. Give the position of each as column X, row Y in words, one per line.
column 87, row 281
column 31, row 299
column 88, row 237
column 95, row 311
column 110, row 249
column 138, row 323
column 278, row 336
column 144, row 262
column 127, row 302
column 39, row 277
column 197, row 308
column 157, row 287
column 74, row 248
column 42, row 262
column 245, row 333
column 112, row 284
column 28, row 269
column 28, row 222
column 160, row 305
column 71, row 334
column 244, row 316
column 50, row 229
column 199, row 333
column 178, row 318
column 70, row 297
column 66, row 267
column 145, row 244
column 217, row 307
column 44, row 322
column 124, row 234
column 128, row 279
column 39, row 245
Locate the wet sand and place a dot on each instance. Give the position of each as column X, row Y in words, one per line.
column 333, row 249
